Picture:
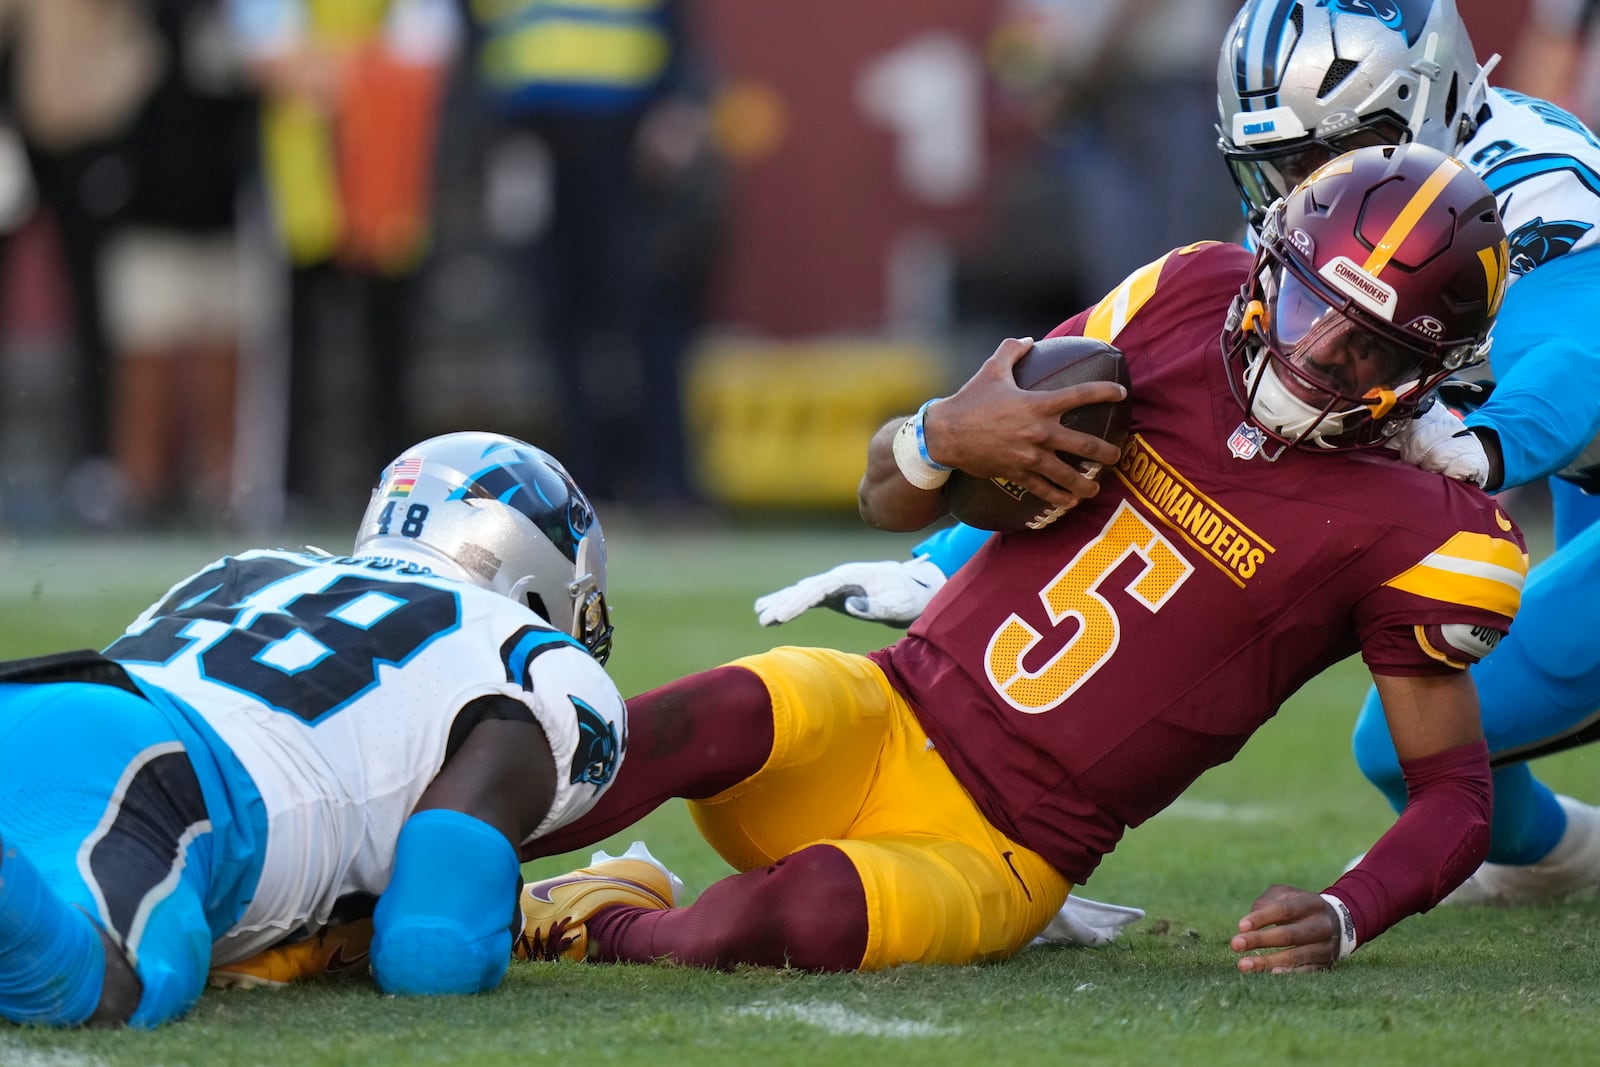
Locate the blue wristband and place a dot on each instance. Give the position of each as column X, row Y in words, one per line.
column 922, row 438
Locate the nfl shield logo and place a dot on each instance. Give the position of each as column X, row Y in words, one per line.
column 1246, row 441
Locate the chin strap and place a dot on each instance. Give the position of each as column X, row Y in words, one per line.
column 1477, row 93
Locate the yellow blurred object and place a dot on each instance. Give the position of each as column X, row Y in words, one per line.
column 350, row 177
column 303, row 186
column 786, row 424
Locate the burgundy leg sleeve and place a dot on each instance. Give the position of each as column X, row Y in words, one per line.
column 808, row 911
column 692, row 738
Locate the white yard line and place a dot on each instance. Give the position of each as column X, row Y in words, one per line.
column 14, row 1053
column 837, row 1020
column 1221, row 811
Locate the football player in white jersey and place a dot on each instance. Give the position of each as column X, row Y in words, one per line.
column 1297, row 82
column 286, row 735
column 1300, row 81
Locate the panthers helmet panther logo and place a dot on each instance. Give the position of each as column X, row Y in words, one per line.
column 595, row 759
column 1537, row 242
column 1402, row 16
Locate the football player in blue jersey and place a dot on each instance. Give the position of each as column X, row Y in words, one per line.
column 289, row 739
column 1298, row 82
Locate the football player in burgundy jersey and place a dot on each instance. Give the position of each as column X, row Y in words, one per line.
column 1296, row 84
column 937, row 800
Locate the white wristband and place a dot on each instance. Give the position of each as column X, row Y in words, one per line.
column 1347, row 925
column 911, row 454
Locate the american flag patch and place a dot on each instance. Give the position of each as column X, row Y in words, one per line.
column 403, row 476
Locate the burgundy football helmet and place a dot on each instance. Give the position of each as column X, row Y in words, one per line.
column 1377, row 277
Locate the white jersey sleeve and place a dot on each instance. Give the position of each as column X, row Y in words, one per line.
column 337, row 683
column 1543, row 166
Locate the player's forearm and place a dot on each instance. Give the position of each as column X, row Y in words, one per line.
column 1437, row 842
column 1547, row 369
column 886, row 499
column 1544, row 411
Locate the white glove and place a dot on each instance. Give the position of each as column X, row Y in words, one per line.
column 890, row 591
column 1438, row 441
column 1086, row 922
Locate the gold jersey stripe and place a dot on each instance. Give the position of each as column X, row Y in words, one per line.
column 1406, row 221
column 1473, row 569
column 1122, row 303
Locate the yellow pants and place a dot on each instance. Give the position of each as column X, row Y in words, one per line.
column 851, row 767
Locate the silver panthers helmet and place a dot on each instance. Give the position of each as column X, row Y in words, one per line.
column 1300, row 81
column 497, row 512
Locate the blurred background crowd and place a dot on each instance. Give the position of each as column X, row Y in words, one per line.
column 699, row 249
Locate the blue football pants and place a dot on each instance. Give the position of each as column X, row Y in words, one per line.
column 98, row 793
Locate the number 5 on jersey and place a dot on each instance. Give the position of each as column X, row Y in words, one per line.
column 1074, row 595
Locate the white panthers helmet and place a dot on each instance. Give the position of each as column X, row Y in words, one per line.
column 497, row 512
column 1300, row 81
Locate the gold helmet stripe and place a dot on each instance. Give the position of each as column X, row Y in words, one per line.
column 1406, row 221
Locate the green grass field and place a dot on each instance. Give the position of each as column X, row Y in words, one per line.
column 1452, row 987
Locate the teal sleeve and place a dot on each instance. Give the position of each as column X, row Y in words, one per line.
column 443, row 925
column 1546, row 360
column 950, row 548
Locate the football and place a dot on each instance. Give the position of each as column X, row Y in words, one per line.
column 1053, row 363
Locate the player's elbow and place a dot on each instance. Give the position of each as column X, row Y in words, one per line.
column 441, row 927
column 427, row 956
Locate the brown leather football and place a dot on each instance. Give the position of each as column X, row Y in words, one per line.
column 1053, row 363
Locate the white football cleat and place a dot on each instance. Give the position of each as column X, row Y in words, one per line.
column 1573, row 866
column 1086, row 922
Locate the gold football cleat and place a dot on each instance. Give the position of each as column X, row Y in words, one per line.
column 555, row 911
column 329, row 951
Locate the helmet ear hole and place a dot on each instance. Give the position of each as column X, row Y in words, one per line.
column 536, row 603
column 1452, row 98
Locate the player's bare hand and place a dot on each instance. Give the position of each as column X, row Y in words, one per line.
column 991, row 428
column 1301, row 926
